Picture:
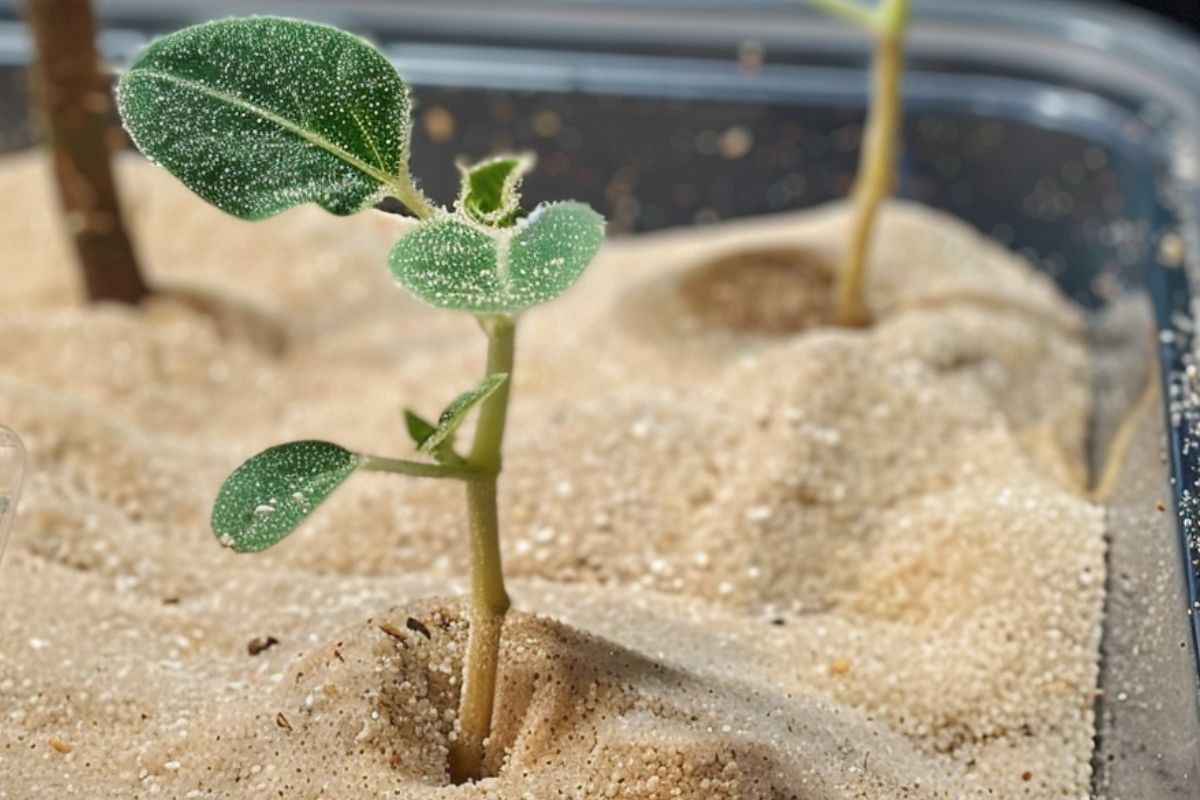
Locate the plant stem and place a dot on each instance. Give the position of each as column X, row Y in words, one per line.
column 419, row 469
column 411, row 197
column 877, row 159
column 489, row 600
column 74, row 107
column 848, row 10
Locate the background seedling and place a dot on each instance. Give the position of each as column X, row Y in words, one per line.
column 72, row 96
column 258, row 115
column 887, row 23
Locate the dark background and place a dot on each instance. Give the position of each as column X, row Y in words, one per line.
column 1186, row 12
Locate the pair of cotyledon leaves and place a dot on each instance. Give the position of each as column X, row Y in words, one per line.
column 262, row 114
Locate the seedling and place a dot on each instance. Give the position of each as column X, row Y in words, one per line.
column 887, row 23
column 72, row 97
column 261, row 114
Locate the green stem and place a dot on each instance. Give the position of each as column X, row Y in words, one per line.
column 412, row 198
column 419, row 469
column 489, row 599
column 847, row 10
column 877, row 159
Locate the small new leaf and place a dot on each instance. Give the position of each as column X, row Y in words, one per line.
column 456, row 412
column 269, row 495
column 490, row 191
column 453, row 262
column 419, row 428
column 261, row 114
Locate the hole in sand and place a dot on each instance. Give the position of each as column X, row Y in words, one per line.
column 777, row 291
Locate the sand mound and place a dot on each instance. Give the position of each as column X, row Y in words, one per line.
column 771, row 560
column 372, row 712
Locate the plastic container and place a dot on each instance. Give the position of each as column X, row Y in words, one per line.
column 12, row 476
column 1069, row 131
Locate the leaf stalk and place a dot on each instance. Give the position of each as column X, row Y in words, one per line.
column 420, row 469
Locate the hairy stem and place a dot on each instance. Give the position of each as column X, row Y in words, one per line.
column 877, row 160
column 73, row 98
column 489, row 599
column 412, row 197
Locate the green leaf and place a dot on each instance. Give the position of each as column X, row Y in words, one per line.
column 552, row 249
column 490, row 189
column 261, row 114
column 452, row 262
column 419, row 428
column 268, row 496
column 456, row 412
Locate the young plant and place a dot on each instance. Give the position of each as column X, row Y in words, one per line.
column 887, row 23
column 72, row 96
column 258, row 115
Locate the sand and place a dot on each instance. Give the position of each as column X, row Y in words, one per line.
column 750, row 557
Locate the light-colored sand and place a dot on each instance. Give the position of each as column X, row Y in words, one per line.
column 748, row 562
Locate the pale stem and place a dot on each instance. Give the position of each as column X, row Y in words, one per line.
column 418, row 469
column 489, row 600
column 876, row 161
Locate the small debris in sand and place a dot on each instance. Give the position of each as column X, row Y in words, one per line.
column 392, row 631
column 415, row 625
column 282, row 722
column 260, row 643
column 59, row 745
column 840, row 666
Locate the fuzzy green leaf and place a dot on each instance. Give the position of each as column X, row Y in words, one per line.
column 452, row 262
column 260, row 114
column 268, row 496
column 448, row 262
column 456, row 412
column 490, row 189
column 551, row 249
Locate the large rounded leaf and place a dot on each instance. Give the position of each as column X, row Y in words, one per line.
column 268, row 496
column 257, row 115
column 451, row 262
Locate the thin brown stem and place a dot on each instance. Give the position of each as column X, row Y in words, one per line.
column 74, row 102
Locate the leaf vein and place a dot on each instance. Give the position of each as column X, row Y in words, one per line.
column 288, row 125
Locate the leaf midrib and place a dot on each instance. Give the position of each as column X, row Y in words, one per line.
column 384, row 179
